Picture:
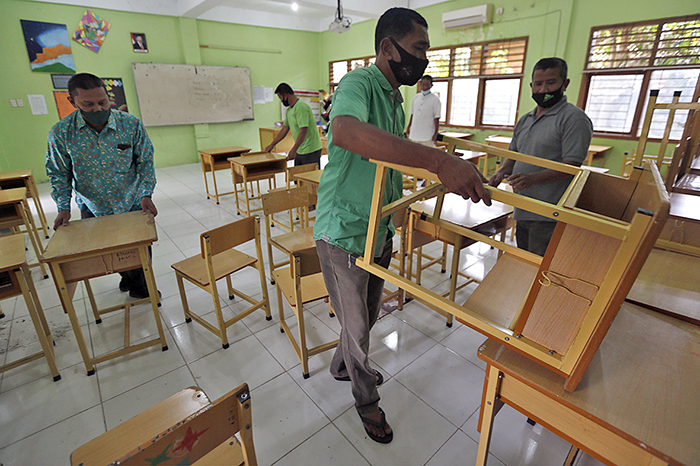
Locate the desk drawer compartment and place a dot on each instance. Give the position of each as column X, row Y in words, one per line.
column 98, row 266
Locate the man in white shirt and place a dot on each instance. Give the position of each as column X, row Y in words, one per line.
column 425, row 109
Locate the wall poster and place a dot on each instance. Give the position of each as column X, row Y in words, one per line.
column 48, row 47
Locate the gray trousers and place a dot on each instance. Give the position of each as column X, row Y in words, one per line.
column 356, row 296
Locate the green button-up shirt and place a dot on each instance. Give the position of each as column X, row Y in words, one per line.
column 110, row 171
column 301, row 116
column 345, row 190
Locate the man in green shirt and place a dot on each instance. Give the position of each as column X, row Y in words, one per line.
column 300, row 119
column 367, row 121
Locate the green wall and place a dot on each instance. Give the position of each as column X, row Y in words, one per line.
column 554, row 28
column 559, row 28
column 170, row 40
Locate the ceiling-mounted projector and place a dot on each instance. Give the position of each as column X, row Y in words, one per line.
column 340, row 25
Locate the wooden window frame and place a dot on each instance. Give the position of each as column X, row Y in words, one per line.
column 644, row 71
column 482, row 76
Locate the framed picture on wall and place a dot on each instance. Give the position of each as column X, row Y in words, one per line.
column 60, row 81
column 138, row 42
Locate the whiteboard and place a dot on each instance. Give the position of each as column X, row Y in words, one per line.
column 191, row 94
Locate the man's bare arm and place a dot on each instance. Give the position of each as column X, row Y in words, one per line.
column 367, row 140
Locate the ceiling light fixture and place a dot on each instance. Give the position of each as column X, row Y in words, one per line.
column 295, row 6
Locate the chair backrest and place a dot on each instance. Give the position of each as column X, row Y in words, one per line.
column 229, row 236
column 179, row 430
column 305, row 262
column 285, row 199
column 200, row 433
column 292, row 172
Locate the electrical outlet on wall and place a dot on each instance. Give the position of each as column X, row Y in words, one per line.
column 20, row 103
column 13, row 103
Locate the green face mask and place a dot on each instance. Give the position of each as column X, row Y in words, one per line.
column 98, row 118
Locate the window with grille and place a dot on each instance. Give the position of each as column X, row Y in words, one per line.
column 478, row 84
column 626, row 61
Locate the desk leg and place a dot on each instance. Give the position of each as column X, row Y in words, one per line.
column 31, row 187
column 67, row 303
column 204, row 172
column 153, row 293
column 33, row 235
column 487, row 413
column 38, row 319
column 247, row 197
column 213, row 177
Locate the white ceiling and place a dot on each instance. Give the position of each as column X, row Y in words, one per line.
column 312, row 15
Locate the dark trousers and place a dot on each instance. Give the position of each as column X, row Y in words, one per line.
column 134, row 278
column 356, row 296
column 534, row 236
column 307, row 159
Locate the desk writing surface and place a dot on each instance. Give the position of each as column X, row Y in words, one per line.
column 670, row 283
column 642, row 383
column 101, row 234
column 258, row 158
column 15, row 174
column 453, row 134
column 686, row 206
column 464, row 212
column 9, row 196
column 11, row 252
column 225, row 150
column 598, row 149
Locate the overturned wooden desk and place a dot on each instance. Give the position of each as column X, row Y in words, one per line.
column 217, row 159
column 632, row 406
column 15, row 279
column 99, row 246
column 555, row 309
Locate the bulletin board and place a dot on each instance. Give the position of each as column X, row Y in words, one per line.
column 191, row 94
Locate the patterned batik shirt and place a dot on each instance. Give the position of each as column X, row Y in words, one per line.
column 110, row 171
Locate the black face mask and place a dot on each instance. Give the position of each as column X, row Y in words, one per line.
column 285, row 102
column 410, row 69
column 548, row 99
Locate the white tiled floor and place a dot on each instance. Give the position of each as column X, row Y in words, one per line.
column 431, row 394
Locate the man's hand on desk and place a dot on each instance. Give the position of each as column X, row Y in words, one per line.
column 292, row 154
column 147, row 205
column 270, row 148
column 463, row 177
column 62, row 219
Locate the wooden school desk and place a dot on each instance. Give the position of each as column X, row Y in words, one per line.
column 635, row 405
column 217, row 159
column 255, row 167
column 18, row 178
column 15, row 279
column 312, row 179
column 99, row 246
column 14, row 211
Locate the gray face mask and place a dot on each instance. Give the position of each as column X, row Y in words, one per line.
column 97, row 118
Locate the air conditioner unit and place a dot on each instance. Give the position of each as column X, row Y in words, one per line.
column 472, row 16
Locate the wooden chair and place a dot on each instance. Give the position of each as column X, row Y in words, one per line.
column 285, row 200
column 186, row 428
column 295, row 214
column 301, row 283
column 219, row 260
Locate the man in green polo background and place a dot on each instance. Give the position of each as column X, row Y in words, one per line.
column 301, row 121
